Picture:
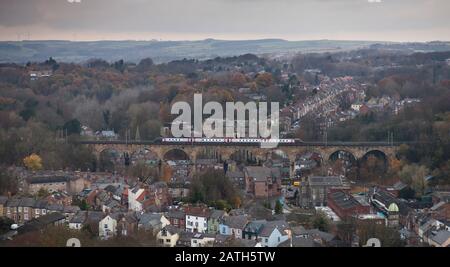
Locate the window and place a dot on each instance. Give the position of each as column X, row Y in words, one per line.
column 37, row 211
column 279, row 239
column 25, row 209
column 20, row 209
column 44, row 211
column 167, row 240
column 106, row 226
column 25, row 217
column 175, row 221
column 267, row 240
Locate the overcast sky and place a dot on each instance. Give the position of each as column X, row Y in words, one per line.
column 380, row 20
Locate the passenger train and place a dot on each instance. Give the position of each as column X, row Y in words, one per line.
column 230, row 140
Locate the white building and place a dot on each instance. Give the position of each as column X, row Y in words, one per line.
column 202, row 240
column 356, row 106
column 274, row 233
column 133, row 195
column 197, row 220
column 168, row 236
column 107, row 227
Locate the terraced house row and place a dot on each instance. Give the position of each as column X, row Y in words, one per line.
column 21, row 210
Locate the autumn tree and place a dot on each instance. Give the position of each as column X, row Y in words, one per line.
column 33, row 162
column 264, row 80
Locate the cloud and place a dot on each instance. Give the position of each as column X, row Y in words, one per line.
column 291, row 19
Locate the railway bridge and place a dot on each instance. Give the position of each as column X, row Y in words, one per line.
column 225, row 151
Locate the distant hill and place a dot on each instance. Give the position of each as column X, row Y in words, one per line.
column 165, row 51
column 160, row 51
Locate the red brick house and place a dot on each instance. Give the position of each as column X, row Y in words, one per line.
column 345, row 205
column 177, row 218
column 441, row 211
column 262, row 182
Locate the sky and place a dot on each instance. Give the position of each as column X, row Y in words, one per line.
column 83, row 20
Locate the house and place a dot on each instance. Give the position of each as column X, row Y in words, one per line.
column 300, row 242
column 53, row 219
column 40, row 208
column 11, row 208
column 202, row 240
column 440, row 196
column 177, row 218
column 152, row 221
column 274, row 233
column 439, row 238
column 364, row 109
column 345, row 205
column 253, row 229
column 314, row 191
column 230, row 241
column 168, row 236
column 61, row 198
column 262, row 182
column 178, row 191
column 233, row 226
column 432, row 231
column 185, row 239
column 55, row 208
column 107, row 227
column 197, row 219
column 77, row 221
column 142, row 197
column 400, row 190
column 395, row 210
column 133, row 195
column 37, row 74
column 92, row 221
column 441, row 211
column 127, row 224
column 237, row 177
column 3, row 201
column 214, row 220
column 25, row 210
column 320, row 237
column 70, row 211
column 55, row 183
column 356, row 106
column 111, row 206
column 107, row 135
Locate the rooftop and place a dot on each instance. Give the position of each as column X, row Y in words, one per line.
column 261, row 173
column 48, row 179
column 343, row 200
column 325, row 181
column 440, row 237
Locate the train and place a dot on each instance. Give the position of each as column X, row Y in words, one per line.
column 230, row 140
